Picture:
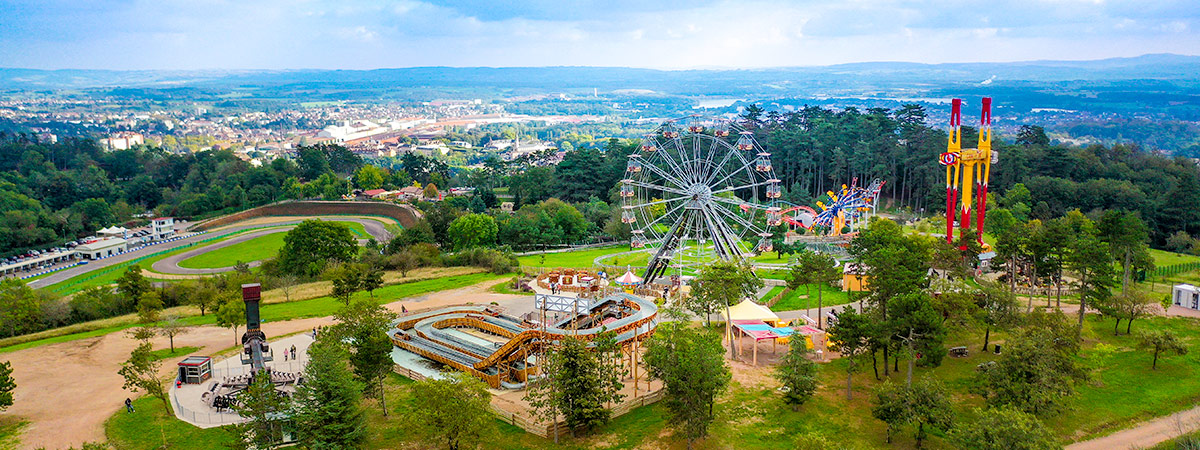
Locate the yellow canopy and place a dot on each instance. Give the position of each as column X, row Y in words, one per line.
column 748, row 310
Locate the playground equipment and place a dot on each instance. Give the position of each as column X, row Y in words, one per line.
column 691, row 194
column 255, row 353
column 501, row 349
column 967, row 171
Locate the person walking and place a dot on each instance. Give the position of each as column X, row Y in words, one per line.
column 128, row 405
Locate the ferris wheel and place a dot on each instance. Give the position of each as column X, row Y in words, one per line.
column 698, row 190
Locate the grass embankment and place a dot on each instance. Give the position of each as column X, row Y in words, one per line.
column 771, row 294
column 308, row 300
column 256, row 249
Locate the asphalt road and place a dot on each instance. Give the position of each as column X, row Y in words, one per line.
column 373, row 228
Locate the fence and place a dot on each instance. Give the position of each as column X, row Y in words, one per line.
column 773, row 300
column 547, row 429
column 203, row 417
column 1174, row 269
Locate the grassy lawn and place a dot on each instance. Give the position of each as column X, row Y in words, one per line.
column 152, row 427
column 830, row 296
column 165, row 353
column 256, row 249
column 1164, row 258
column 10, row 428
column 580, row 259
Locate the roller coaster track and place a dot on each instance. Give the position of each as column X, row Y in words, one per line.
column 424, row 335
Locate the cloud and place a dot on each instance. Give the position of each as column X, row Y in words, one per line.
column 360, row 34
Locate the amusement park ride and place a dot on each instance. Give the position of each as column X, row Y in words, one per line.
column 967, row 171
column 707, row 190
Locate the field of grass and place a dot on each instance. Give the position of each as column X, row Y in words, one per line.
column 165, row 353
column 151, row 427
column 830, row 296
column 10, row 428
column 256, row 249
column 1164, row 258
column 581, row 259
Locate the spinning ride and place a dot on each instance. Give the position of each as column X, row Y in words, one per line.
column 696, row 191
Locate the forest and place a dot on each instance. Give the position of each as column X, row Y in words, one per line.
column 62, row 191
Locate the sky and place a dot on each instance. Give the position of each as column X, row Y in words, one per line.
column 670, row 34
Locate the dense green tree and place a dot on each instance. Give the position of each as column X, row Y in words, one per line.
column 326, row 410
column 580, row 383
column 1091, row 261
column 132, row 284
column 1037, row 372
column 264, row 410
column 996, row 307
column 472, row 230
column 369, row 177
column 20, row 307
column 689, row 361
column 850, row 335
column 453, row 411
column 797, row 374
column 1003, row 428
column 893, row 264
column 370, row 350
column 922, row 403
column 721, row 285
column 7, row 385
column 312, row 244
column 231, row 313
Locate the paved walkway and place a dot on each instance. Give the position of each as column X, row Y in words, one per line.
column 191, row 409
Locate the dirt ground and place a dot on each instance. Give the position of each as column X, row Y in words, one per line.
column 67, row 390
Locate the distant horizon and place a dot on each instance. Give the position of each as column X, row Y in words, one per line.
column 681, row 69
column 658, row 34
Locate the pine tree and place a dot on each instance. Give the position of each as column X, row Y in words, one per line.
column 327, row 410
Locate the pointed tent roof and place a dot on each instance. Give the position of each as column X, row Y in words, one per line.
column 629, row 279
column 748, row 310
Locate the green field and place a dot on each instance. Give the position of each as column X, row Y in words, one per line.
column 830, row 296
column 165, row 353
column 152, row 427
column 579, row 259
column 256, row 249
column 1164, row 258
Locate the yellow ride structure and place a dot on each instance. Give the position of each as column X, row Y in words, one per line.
column 967, row 172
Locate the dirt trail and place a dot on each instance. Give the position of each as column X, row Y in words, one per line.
column 67, row 390
column 1146, row 434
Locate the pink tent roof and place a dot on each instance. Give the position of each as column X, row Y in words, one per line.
column 629, row 279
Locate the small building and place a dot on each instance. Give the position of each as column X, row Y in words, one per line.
column 1186, row 295
column 854, row 278
column 162, row 228
column 102, row 248
column 195, row 369
column 372, row 194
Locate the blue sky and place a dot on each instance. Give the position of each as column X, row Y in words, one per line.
column 672, row 34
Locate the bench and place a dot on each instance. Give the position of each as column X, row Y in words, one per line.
column 959, row 352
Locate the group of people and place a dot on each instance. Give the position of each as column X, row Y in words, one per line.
column 292, row 351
